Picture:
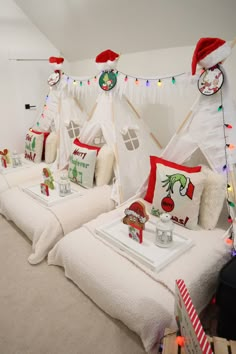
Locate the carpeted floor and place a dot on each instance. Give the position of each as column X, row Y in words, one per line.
column 42, row 312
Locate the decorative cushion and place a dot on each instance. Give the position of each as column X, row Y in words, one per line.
column 178, row 191
column 45, row 135
column 104, row 166
column 82, row 163
column 34, row 146
column 51, row 148
column 212, row 200
column 152, row 176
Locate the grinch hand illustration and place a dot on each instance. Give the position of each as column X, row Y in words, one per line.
column 186, row 188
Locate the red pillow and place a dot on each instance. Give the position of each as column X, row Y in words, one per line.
column 44, row 140
column 152, row 176
column 90, row 147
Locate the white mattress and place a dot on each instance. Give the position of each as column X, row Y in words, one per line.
column 10, row 177
column 45, row 225
column 130, row 292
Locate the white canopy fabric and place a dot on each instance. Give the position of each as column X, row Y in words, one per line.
column 61, row 108
column 116, row 122
column 206, row 130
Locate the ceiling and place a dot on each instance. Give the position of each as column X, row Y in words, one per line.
column 80, row 29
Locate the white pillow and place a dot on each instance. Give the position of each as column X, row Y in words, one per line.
column 34, row 146
column 51, row 148
column 213, row 197
column 104, row 166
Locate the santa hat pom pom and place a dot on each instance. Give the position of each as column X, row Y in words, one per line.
column 56, row 62
column 107, row 60
column 209, row 52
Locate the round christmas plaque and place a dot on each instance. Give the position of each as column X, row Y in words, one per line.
column 54, row 78
column 107, row 80
column 210, row 81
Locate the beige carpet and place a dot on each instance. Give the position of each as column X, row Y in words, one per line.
column 42, row 312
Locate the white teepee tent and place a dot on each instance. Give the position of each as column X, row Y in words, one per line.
column 114, row 121
column 210, row 127
column 63, row 114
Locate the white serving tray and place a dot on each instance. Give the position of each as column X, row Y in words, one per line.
column 147, row 252
column 53, row 198
column 11, row 169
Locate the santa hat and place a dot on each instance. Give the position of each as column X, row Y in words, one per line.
column 209, row 52
column 107, row 60
column 56, row 62
column 137, row 209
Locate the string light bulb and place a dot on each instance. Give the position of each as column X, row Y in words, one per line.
column 173, row 80
column 159, row 83
column 126, row 78
column 136, row 81
column 147, row 83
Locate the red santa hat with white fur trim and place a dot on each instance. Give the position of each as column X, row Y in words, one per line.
column 56, row 62
column 209, row 52
column 107, row 60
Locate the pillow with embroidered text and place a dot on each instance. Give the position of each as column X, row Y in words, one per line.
column 82, row 163
column 152, row 176
column 34, row 146
column 178, row 191
column 45, row 136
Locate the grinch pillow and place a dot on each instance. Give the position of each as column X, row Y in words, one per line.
column 34, row 146
column 178, row 191
column 45, row 135
column 82, row 163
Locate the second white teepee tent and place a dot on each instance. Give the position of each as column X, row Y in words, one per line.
column 115, row 122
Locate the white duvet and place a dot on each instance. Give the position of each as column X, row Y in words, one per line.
column 10, row 177
column 43, row 225
column 130, row 292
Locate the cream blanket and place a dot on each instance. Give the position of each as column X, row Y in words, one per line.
column 11, row 177
column 44, row 226
column 128, row 291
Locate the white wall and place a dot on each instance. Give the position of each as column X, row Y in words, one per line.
column 164, row 119
column 21, row 81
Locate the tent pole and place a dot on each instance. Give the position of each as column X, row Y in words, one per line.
column 92, row 111
column 130, row 104
column 79, row 105
column 117, row 156
column 187, row 117
column 156, row 141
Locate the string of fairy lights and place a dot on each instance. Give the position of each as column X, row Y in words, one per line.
column 226, row 168
column 126, row 77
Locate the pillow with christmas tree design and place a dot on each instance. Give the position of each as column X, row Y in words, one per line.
column 82, row 163
column 34, row 146
column 178, row 191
